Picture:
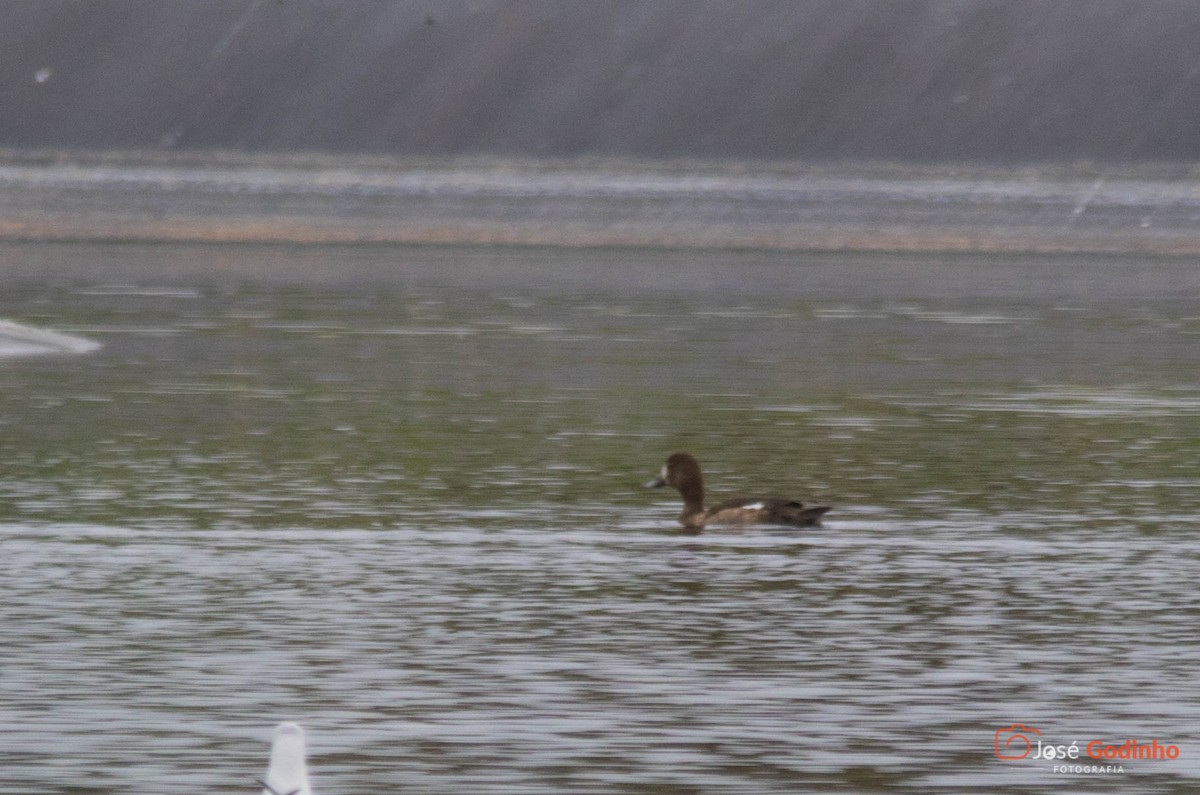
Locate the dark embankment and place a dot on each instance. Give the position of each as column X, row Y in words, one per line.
column 1006, row 82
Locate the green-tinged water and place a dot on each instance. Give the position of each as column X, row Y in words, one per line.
column 395, row 494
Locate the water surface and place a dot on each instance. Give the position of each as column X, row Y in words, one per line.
column 393, row 493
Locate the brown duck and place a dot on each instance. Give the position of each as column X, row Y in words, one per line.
column 682, row 472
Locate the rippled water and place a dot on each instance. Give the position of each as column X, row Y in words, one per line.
column 393, row 493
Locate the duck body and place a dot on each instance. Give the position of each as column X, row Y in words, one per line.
column 682, row 472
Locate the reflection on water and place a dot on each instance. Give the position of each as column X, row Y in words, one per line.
column 394, row 494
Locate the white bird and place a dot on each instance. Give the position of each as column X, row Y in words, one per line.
column 288, row 772
column 17, row 339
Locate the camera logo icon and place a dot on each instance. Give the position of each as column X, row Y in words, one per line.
column 1016, row 741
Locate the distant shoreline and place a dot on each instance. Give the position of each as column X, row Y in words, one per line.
column 233, row 197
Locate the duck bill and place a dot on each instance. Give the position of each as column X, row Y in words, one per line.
column 657, row 483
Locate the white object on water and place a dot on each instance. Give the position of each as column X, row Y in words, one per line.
column 288, row 772
column 17, row 339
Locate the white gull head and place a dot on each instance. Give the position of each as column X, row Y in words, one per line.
column 288, row 772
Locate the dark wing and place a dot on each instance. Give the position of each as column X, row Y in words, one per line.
column 795, row 513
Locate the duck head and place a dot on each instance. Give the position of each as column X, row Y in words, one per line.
column 682, row 473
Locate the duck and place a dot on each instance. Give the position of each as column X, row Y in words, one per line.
column 287, row 773
column 682, row 472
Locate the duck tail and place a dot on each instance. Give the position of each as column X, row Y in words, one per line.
column 807, row 516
